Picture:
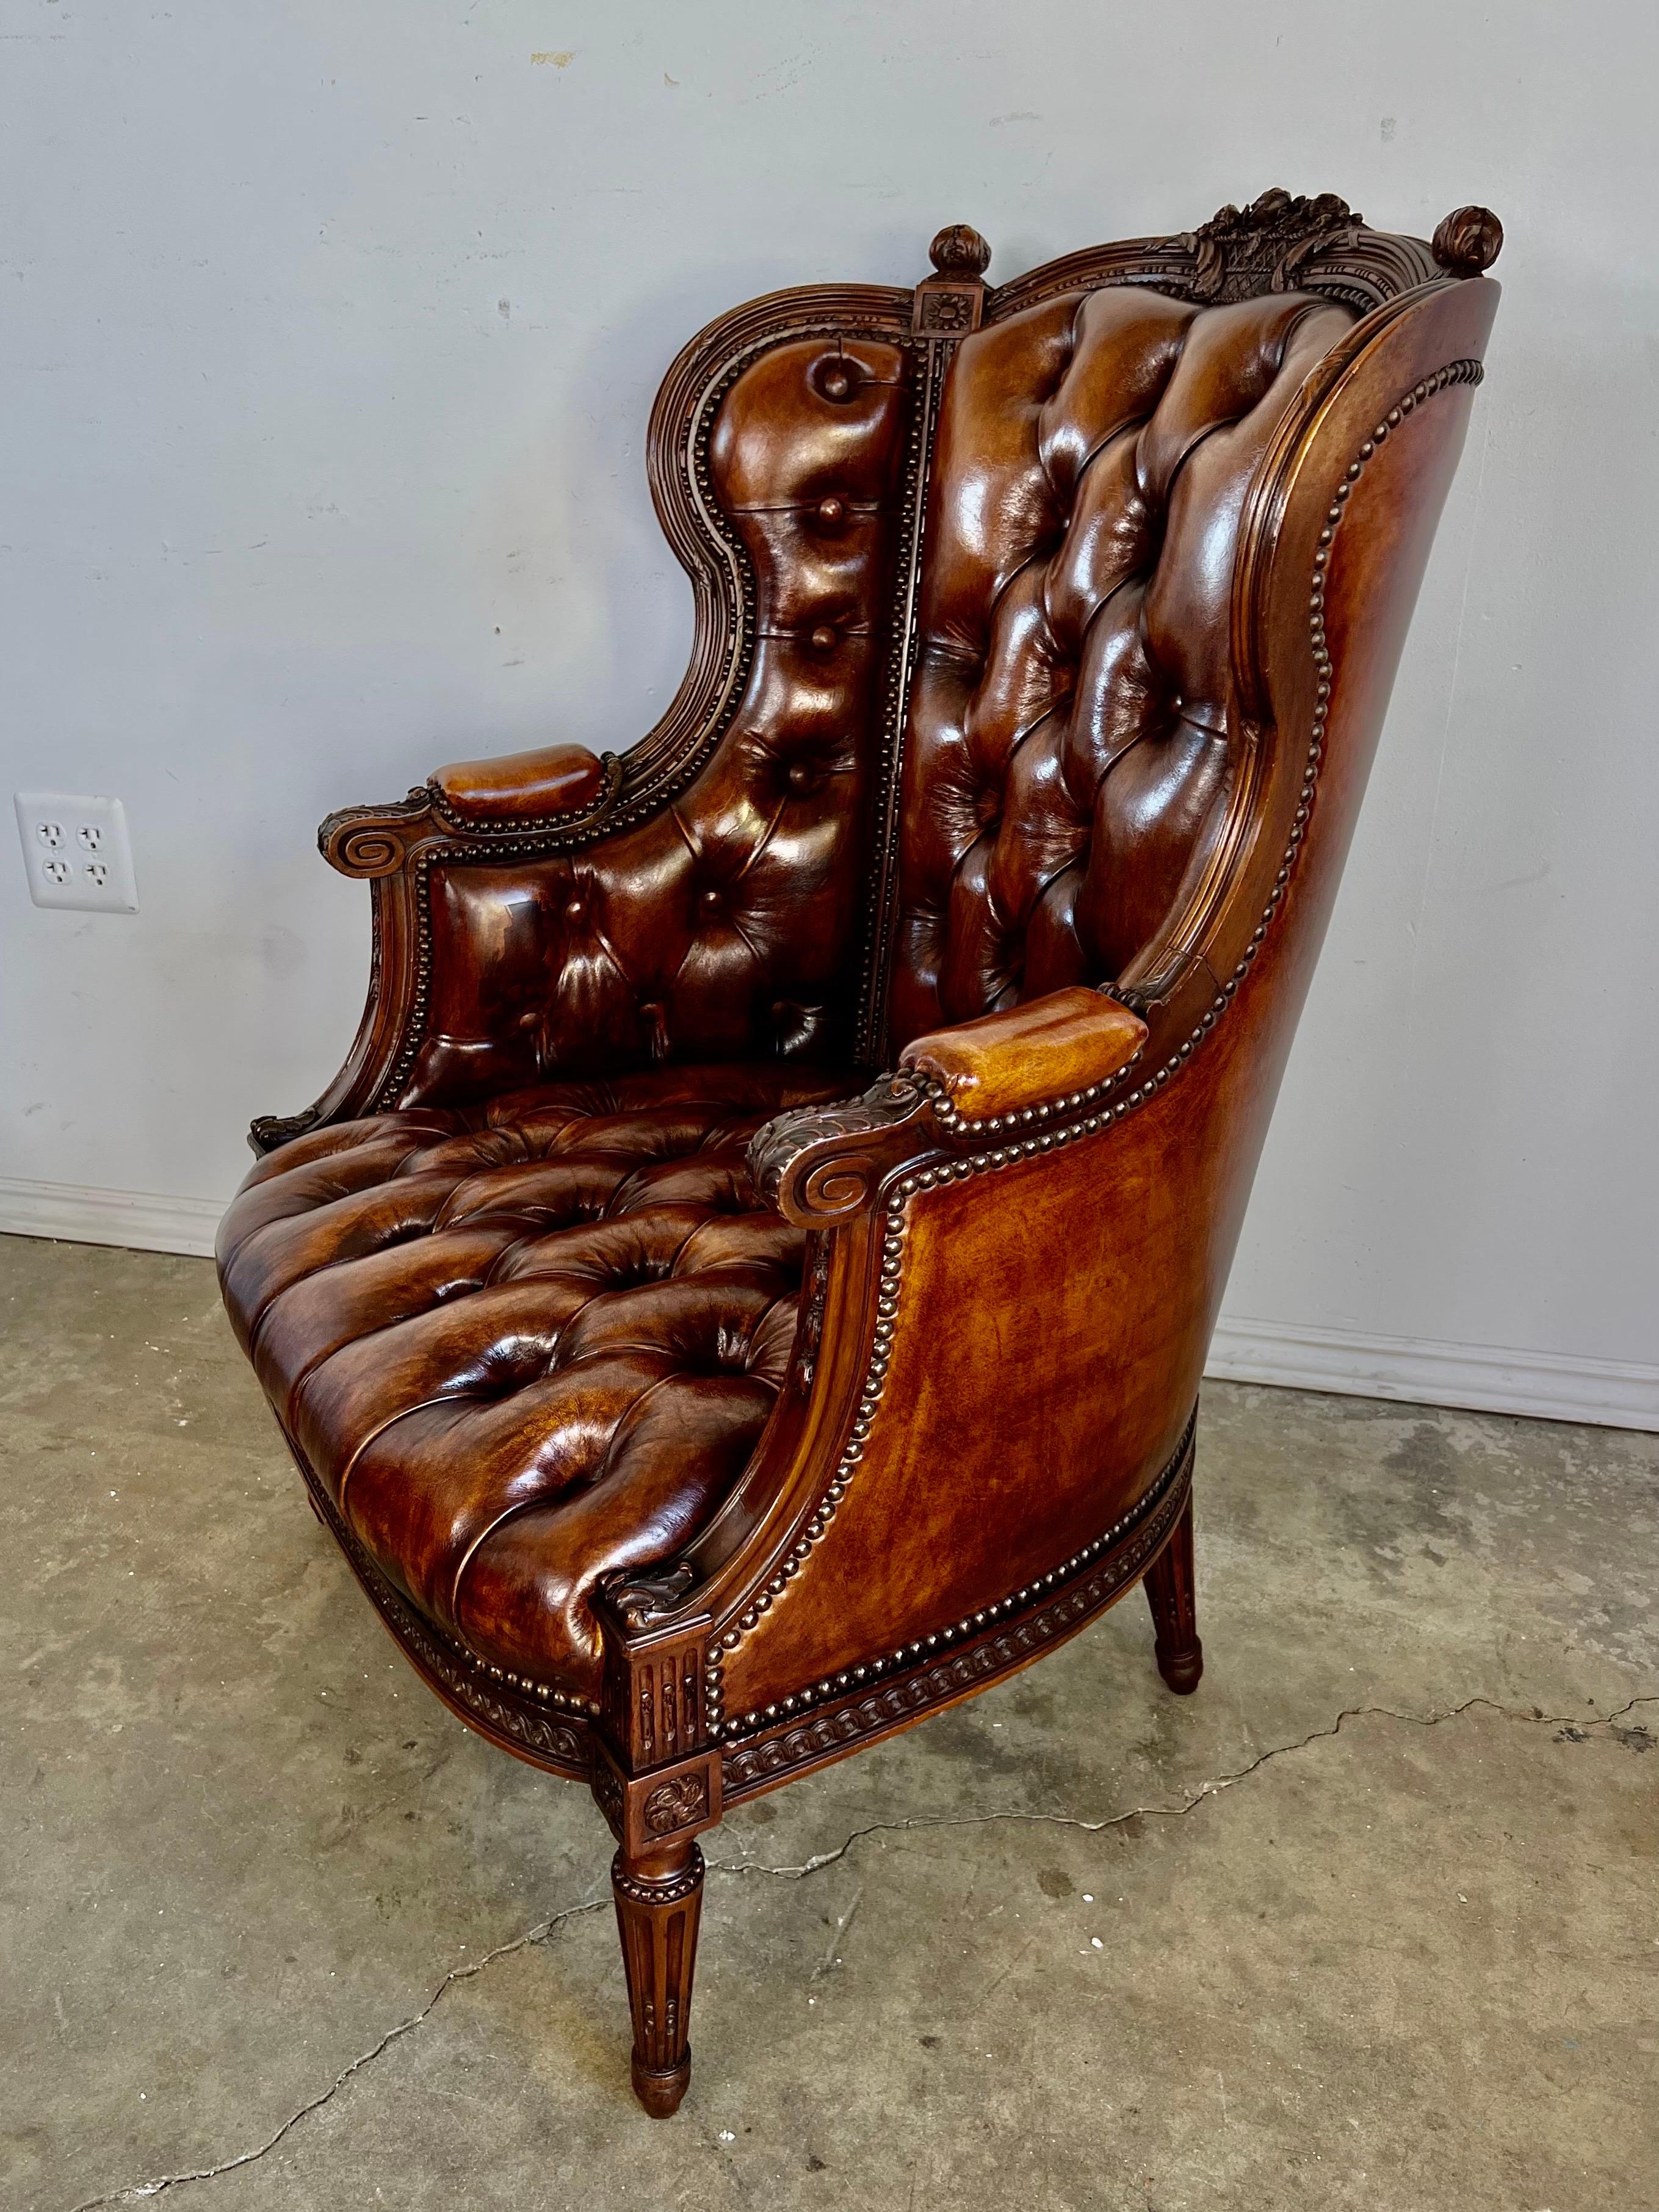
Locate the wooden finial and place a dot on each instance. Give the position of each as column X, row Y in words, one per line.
column 1468, row 240
column 950, row 302
column 959, row 252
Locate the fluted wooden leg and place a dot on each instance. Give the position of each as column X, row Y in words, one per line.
column 659, row 1903
column 1173, row 1596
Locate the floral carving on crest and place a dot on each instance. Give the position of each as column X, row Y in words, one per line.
column 1242, row 252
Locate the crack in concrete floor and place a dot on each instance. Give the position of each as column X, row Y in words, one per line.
column 1534, row 1717
column 135, row 2192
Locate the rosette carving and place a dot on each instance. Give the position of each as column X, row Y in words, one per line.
column 822, row 1163
column 675, row 1804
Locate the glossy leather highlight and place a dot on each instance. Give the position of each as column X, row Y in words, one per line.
column 521, row 787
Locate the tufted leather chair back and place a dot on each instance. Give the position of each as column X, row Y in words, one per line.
column 1069, row 730
column 974, row 710
column 1070, row 738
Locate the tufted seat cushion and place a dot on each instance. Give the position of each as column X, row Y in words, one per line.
column 528, row 1343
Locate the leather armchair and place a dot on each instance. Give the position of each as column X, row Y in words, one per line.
column 748, row 1287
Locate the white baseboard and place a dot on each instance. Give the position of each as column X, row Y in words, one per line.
column 1549, row 1386
column 1544, row 1385
column 78, row 1213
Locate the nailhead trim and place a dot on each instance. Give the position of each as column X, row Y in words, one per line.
column 893, row 1230
column 934, row 357
column 990, row 1125
column 875, row 1670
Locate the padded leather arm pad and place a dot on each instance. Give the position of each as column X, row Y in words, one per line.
column 522, row 786
column 1030, row 1055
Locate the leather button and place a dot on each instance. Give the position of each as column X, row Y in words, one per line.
column 711, row 897
column 822, row 639
column 574, row 910
column 832, row 511
column 836, row 383
column 801, row 777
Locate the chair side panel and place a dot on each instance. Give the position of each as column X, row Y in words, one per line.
column 1053, row 1300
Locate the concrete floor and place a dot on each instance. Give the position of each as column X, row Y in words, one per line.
column 1371, row 1921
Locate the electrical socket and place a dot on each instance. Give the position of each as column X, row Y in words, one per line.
column 76, row 852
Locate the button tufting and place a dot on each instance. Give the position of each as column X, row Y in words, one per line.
column 836, row 383
column 822, row 639
column 1066, row 746
column 832, row 511
column 589, row 1249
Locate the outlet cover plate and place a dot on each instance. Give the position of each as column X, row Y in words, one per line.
column 76, row 852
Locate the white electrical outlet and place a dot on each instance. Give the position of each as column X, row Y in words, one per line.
column 76, row 852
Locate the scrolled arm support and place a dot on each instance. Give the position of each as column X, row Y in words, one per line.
column 818, row 1165
column 562, row 787
column 370, row 843
column 821, row 1164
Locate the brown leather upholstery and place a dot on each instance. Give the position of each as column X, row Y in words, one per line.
column 525, row 1345
column 1068, row 750
column 695, row 1408
column 727, row 927
column 517, row 787
column 1008, row 1062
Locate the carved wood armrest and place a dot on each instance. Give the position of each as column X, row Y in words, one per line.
column 820, row 1164
column 559, row 789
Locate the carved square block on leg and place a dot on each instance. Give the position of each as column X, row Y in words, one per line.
column 647, row 1812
